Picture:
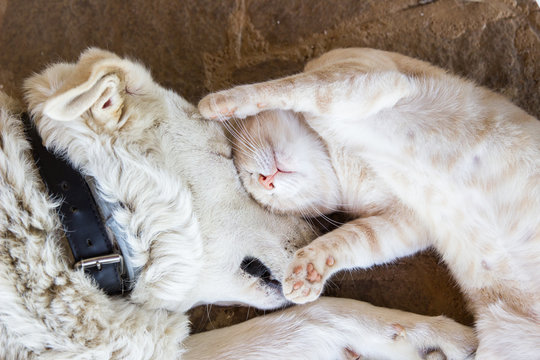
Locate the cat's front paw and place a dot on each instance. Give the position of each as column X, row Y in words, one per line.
column 306, row 275
column 226, row 104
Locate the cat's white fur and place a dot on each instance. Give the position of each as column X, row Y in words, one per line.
column 422, row 158
column 189, row 224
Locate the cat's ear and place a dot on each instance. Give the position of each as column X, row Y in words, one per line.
column 95, row 84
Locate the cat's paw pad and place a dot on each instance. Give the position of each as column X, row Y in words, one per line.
column 306, row 275
column 227, row 104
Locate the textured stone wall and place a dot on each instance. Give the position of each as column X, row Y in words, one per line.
column 196, row 46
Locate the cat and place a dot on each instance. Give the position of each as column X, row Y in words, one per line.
column 422, row 158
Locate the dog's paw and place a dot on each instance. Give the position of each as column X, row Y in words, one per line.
column 226, row 104
column 438, row 338
column 309, row 270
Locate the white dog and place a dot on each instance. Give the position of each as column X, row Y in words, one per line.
column 174, row 193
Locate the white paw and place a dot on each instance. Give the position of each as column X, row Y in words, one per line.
column 456, row 341
column 441, row 338
column 307, row 273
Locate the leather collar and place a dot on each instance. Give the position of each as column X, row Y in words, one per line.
column 91, row 241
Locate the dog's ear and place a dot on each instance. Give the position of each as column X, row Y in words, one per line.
column 96, row 84
column 99, row 93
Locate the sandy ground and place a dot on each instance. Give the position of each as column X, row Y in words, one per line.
column 195, row 47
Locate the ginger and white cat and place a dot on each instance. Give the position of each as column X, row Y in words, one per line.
column 423, row 158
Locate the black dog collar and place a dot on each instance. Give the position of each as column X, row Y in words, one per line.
column 92, row 248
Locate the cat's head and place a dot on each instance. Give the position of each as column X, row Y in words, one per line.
column 284, row 164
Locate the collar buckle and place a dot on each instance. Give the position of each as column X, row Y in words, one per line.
column 99, row 261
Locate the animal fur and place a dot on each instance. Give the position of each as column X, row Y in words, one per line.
column 189, row 225
column 421, row 158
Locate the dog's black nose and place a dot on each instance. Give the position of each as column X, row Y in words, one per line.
column 255, row 267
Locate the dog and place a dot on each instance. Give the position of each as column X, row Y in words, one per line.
column 192, row 235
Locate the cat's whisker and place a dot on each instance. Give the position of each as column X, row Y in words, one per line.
column 306, row 212
column 325, row 217
column 253, row 147
column 243, row 146
column 309, row 220
column 245, row 152
column 240, row 137
column 220, row 117
column 248, row 134
column 311, row 209
column 249, row 138
column 307, row 215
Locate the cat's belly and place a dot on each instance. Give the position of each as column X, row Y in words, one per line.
column 459, row 192
column 362, row 192
column 481, row 248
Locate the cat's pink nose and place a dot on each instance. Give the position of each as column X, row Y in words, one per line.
column 267, row 181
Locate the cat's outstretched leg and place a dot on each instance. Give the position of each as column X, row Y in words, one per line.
column 338, row 92
column 360, row 243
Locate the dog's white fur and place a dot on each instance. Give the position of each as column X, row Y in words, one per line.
column 189, row 225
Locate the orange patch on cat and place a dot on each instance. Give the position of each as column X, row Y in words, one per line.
column 369, row 235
